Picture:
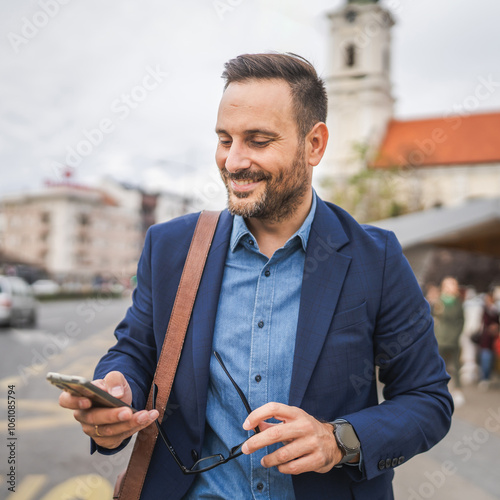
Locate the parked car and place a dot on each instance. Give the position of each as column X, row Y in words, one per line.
column 45, row 287
column 17, row 301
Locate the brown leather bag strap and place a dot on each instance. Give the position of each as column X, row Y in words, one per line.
column 135, row 475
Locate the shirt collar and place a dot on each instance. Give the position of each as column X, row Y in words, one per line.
column 240, row 229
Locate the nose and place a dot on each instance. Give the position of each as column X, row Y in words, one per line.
column 237, row 158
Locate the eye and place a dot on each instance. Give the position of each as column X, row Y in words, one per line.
column 260, row 144
column 225, row 142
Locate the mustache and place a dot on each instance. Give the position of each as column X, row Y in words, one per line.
column 244, row 175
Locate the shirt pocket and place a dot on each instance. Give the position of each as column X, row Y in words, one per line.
column 349, row 318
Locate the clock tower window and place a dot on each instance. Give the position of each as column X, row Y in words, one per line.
column 350, row 55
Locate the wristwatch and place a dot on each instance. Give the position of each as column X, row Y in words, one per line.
column 347, row 440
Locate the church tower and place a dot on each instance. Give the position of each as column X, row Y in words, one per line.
column 358, row 84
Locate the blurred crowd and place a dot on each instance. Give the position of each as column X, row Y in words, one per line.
column 467, row 332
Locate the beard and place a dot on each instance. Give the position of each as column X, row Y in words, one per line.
column 282, row 195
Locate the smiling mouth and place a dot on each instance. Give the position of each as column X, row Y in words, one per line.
column 244, row 182
column 243, row 185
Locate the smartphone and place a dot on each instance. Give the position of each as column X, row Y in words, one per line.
column 80, row 386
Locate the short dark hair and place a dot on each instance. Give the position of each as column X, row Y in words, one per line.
column 309, row 98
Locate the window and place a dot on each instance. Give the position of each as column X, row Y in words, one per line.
column 386, row 60
column 83, row 219
column 350, row 56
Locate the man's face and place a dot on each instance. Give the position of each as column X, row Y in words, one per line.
column 259, row 154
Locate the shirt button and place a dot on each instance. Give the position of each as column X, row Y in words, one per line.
column 261, row 324
column 260, row 486
column 258, row 378
column 250, row 241
column 267, row 273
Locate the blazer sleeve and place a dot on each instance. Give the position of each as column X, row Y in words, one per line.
column 417, row 410
column 135, row 352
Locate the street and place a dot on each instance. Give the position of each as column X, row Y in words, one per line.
column 52, row 459
column 51, row 456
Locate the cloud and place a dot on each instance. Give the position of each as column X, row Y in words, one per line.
column 59, row 86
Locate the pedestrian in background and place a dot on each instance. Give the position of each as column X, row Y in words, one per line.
column 489, row 335
column 449, row 321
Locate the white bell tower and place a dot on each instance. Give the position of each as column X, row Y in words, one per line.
column 358, row 84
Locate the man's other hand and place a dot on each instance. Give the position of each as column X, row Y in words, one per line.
column 108, row 427
column 309, row 445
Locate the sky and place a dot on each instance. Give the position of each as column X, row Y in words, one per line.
column 130, row 89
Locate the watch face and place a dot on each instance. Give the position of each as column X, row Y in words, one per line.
column 348, row 437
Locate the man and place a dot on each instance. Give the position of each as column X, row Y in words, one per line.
column 301, row 303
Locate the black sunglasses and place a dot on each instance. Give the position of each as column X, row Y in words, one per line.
column 206, row 463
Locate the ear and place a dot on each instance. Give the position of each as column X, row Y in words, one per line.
column 315, row 142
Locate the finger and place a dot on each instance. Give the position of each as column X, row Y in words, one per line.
column 102, row 416
column 306, row 463
column 67, row 400
column 128, row 427
column 278, row 411
column 116, row 384
column 278, row 433
column 283, row 455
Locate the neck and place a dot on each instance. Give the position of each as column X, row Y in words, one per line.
column 271, row 235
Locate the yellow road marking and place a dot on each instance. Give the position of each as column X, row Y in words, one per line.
column 88, row 487
column 10, row 380
column 103, row 338
column 29, row 487
column 54, row 416
column 38, row 405
column 38, row 423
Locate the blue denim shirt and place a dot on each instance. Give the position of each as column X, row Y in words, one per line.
column 254, row 333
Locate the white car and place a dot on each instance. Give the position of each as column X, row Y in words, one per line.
column 17, row 301
column 45, row 287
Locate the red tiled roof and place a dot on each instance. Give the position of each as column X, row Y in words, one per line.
column 453, row 140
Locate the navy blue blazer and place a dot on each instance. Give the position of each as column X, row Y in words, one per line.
column 361, row 313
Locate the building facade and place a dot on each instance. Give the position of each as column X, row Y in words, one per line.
column 72, row 232
column 439, row 161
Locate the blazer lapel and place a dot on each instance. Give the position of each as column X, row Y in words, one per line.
column 325, row 270
column 205, row 310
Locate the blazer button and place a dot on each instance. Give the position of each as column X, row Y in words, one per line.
column 388, row 462
column 394, row 462
column 381, row 465
column 401, row 459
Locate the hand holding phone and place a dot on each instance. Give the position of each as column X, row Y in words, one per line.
column 81, row 387
column 108, row 420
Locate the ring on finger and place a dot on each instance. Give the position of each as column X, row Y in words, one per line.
column 97, row 431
